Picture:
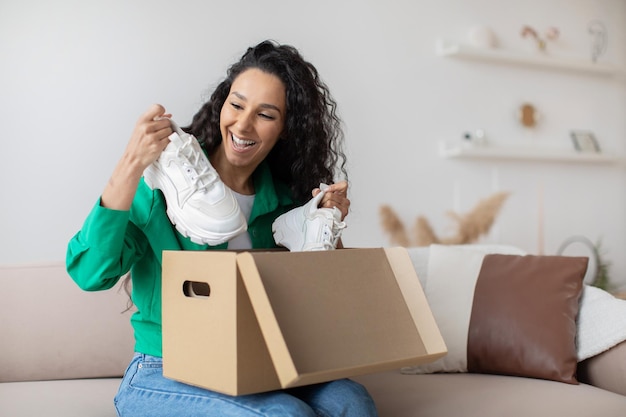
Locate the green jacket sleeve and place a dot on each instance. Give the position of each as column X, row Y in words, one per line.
column 104, row 249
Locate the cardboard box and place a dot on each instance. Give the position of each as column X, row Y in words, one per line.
column 248, row 322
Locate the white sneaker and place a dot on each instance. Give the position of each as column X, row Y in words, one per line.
column 309, row 228
column 201, row 206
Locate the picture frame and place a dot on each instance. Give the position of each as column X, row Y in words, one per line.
column 585, row 141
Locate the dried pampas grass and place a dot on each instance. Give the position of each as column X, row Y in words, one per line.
column 393, row 226
column 470, row 226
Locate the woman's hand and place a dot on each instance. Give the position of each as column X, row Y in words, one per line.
column 335, row 196
column 146, row 143
column 149, row 137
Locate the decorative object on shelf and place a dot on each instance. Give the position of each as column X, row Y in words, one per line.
column 528, row 115
column 471, row 225
column 478, row 138
column 599, row 40
column 598, row 269
column 585, row 141
column 551, row 34
column 482, row 37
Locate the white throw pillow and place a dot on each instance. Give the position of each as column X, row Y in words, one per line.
column 449, row 288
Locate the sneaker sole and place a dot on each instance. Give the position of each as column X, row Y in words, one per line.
column 156, row 180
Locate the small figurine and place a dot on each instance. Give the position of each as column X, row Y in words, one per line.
column 528, row 115
column 551, row 34
column 598, row 31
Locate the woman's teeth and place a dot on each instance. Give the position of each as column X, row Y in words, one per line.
column 241, row 143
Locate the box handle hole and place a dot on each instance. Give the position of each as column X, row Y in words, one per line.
column 196, row 289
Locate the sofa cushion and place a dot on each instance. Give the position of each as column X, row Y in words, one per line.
column 505, row 314
column 55, row 330
column 63, row 398
column 606, row 370
column 482, row 395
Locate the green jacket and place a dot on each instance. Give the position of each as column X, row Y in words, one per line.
column 112, row 243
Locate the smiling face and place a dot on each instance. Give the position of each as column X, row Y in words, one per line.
column 252, row 118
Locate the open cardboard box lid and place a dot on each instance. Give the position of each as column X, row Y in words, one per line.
column 319, row 316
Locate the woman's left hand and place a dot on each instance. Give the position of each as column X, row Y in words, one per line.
column 335, row 196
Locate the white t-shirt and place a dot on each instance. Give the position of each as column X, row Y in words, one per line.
column 242, row 241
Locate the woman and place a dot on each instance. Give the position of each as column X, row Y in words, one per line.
column 271, row 132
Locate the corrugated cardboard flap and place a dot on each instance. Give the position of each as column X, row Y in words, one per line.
column 332, row 314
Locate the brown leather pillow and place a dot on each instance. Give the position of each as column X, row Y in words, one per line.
column 523, row 318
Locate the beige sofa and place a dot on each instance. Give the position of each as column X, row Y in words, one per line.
column 62, row 352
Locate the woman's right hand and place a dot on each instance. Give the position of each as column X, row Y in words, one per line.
column 149, row 137
column 146, row 143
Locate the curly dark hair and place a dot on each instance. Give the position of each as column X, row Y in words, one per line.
column 310, row 149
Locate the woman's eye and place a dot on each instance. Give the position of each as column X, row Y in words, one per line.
column 267, row 116
column 236, row 106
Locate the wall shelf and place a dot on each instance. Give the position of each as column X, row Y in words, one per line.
column 447, row 48
column 524, row 153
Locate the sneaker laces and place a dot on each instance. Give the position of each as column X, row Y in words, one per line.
column 332, row 229
column 204, row 176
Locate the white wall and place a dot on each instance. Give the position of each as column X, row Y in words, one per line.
column 75, row 76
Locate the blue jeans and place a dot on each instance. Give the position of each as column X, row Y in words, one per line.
column 146, row 392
